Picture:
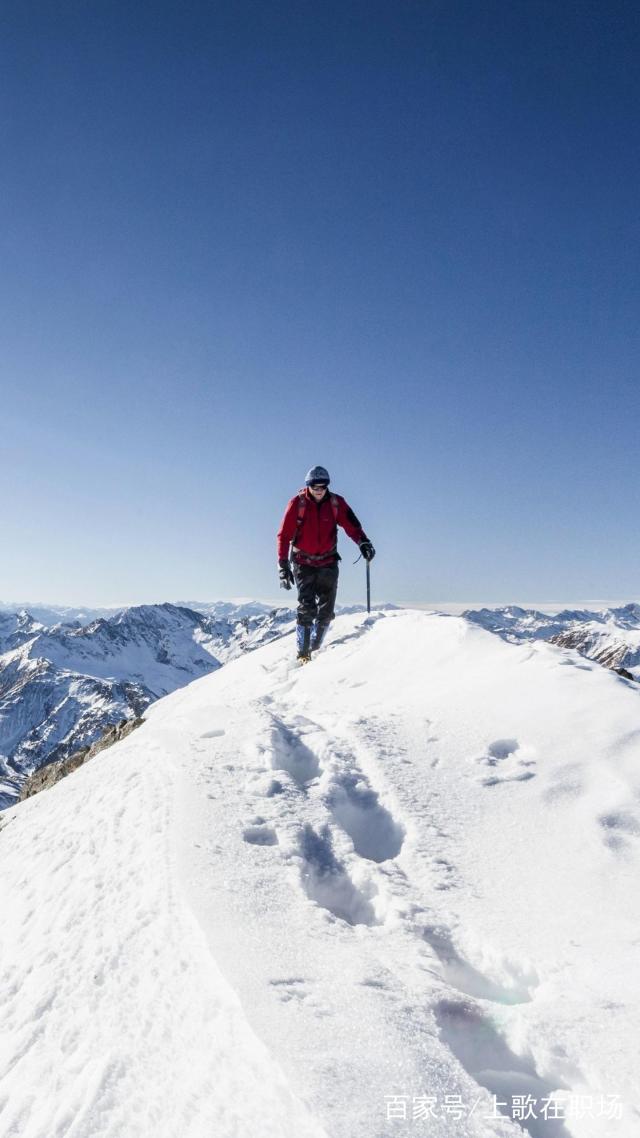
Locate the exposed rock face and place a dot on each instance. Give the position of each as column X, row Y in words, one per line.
column 16, row 628
column 610, row 637
column 600, row 646
column 51, row 773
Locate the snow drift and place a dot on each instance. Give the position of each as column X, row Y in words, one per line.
column 393, row 892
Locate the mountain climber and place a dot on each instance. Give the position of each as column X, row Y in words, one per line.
column 309, row 527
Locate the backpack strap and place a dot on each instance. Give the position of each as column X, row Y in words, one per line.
column 302, row 505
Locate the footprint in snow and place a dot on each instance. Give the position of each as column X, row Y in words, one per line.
column 486, row 1056
column 445, row 875
column 292, row 988
column 512, row 984
column 618, row 827
column 357, row 808
column 512, row 760
column 326, row 881
column 296, row 991
column 287, row 751
column 258, row 832
column 495, row 781
column 501, row 749
column 266, row 785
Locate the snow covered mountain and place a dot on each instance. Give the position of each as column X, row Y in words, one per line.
column 229, row 610
column 61, row 687
column 57, row 614
column 391, row 893
column 48, row 615
column 611, row 637
column 15, row 628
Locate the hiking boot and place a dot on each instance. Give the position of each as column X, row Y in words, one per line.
column 318, row 634
column 303, row 641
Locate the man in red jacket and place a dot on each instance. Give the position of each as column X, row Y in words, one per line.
column 310, row 528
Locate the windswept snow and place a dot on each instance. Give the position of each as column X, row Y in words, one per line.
column 379, row 895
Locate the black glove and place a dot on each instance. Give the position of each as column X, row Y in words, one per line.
column 286, row 576
column 367, row 550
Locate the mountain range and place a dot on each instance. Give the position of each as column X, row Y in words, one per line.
column 62, row 686
column 611, row 636
column 68, row 674
column 387, row 895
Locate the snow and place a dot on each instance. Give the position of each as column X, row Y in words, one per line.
column 610, row 636
column 62, row 687
column 408, row 869
column 48, row 615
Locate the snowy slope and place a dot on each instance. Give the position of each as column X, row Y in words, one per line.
column 611, row 636
column 408, row 869
column 62, row 687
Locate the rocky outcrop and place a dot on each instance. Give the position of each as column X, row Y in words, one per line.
column 610, row 637
column 605, row 649
column 49, row 775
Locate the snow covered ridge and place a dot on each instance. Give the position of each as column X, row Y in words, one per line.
column 62, row 686
column 611, row 637
column 391, row 893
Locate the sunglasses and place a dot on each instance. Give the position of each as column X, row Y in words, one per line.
column 318, row 486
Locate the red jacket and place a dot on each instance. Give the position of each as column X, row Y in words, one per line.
column 315, row 543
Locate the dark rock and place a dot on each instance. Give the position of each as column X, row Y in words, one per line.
column 48, row 775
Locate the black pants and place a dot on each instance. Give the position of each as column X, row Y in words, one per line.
column 317, row 590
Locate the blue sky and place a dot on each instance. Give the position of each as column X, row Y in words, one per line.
column 399, row 239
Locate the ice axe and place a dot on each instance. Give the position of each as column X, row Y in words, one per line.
column 368, row 564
